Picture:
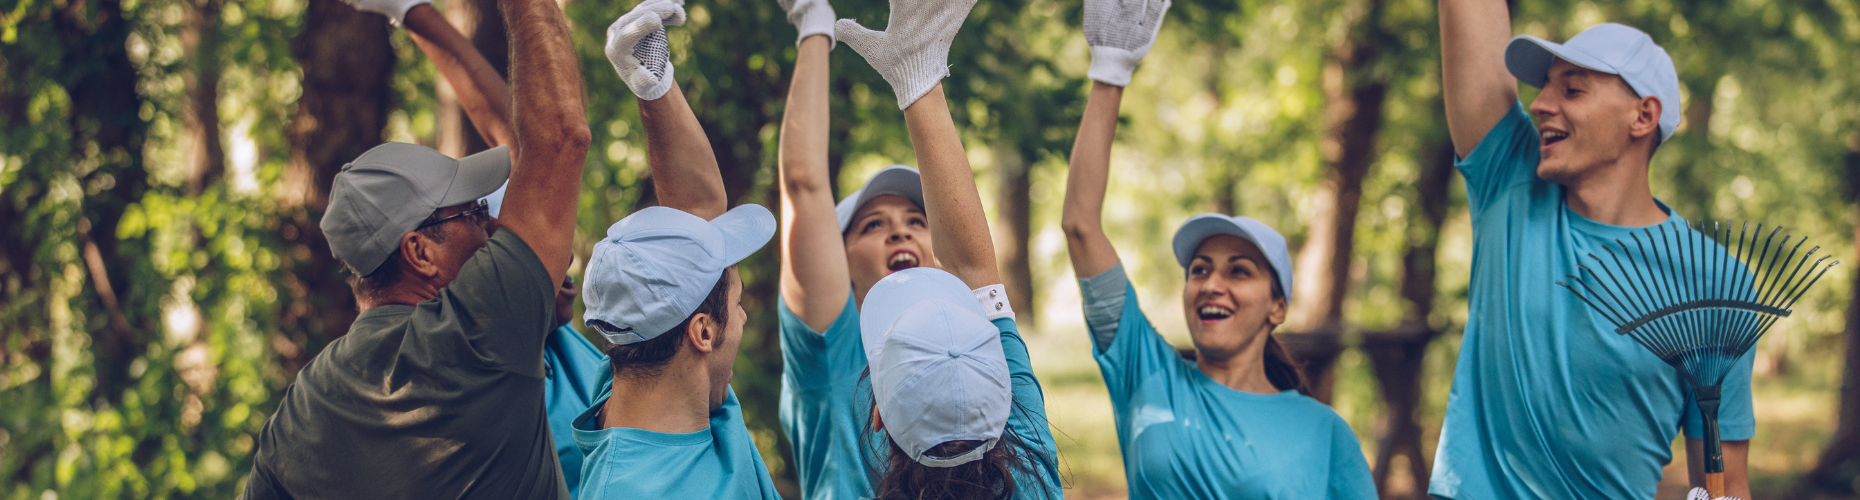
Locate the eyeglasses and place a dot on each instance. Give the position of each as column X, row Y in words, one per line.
column 476, row 213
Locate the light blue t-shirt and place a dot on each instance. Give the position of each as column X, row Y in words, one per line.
column 572, row 373
column 716, row 463
column 827, row 403
column 1183, row 435
column 1547, row 401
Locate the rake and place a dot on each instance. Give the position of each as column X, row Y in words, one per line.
column 1699, row 297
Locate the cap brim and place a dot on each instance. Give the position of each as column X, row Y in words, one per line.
column 1528, row 58
column 745, row 229
column 896, row 179
column 479, row 175
column 1199, row 228
column 899, row 292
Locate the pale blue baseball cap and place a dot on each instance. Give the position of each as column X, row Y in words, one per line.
column 1610, row 48
column 655, row 267
column 896, row 179
column 938, row 371
column 1201, row 227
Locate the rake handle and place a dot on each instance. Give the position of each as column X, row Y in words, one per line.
column 1708, row 397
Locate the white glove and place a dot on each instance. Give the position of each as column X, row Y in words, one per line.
column 811, row 17
column 395, row 10
column 1120, row 32
column 913, row 51
column 637, row 48
column 1701, row 494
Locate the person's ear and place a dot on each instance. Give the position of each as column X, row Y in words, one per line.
column 421, row 254
column 703, row 333
column 1646, row 117
column 1276, row 317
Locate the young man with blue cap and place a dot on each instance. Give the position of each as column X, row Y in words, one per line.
column 1234, row 422
column 1547, row 401
column 436, row 390
column 663, row 290
column 952, row 385
column 832, row 254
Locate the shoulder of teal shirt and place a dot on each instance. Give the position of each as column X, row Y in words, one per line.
column 1506, row 157
column 804, row 351
column 1028, row 418
column 1137, row 351
column 1349, row 468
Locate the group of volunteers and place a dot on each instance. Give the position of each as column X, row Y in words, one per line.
column 904, row 375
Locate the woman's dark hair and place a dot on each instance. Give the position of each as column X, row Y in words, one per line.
column 647, row 359
column 990, row 477
column 1284, row 371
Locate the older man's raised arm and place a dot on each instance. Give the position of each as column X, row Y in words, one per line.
column 551, row 132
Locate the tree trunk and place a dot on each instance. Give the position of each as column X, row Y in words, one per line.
column 203, row 153
column 1838, row 471
column 107, row 134
column 346, row 63
column 483, row 23
column 1014, row 206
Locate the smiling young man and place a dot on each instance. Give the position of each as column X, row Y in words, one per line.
column 1548, row 402
column 436, row 391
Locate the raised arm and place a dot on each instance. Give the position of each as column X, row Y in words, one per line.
column 1090, row 171
column 481, row 92
column 814, row 279
column 951, row 202
column 551, row 132
column 1120, row 33
column 1479, row 90
column 684, row 169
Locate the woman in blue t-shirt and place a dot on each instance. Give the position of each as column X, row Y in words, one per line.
column 1234, row 423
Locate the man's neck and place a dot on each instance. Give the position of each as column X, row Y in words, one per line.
column 675, row 402
column 1619, row 197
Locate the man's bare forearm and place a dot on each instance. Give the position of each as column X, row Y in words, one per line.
column 684, row 169
column 481, row 92
column 551, row 131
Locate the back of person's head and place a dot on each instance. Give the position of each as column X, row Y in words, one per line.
column 941, row 390
column 663, row 278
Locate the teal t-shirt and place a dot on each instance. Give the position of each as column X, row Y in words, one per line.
column 716, row 463
column 1547, row 401
column 571, row 375
column 827, row 403
column 1184, row 435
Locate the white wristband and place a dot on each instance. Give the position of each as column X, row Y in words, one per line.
column 994, row 301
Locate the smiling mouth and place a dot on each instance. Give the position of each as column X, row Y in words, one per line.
column 1552, row 137
column 901, row 260
column 1214, row 313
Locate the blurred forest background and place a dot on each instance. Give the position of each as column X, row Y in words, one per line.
column 163, row 165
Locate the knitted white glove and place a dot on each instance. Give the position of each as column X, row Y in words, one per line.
column 1121, row 32
column 637, row 48
column 811, row 17
column 395, row 10
column 913, row 51
column 1701, row 494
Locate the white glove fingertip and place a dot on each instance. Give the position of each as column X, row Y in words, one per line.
column 854, row 34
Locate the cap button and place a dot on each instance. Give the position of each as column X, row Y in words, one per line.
column 954, row 354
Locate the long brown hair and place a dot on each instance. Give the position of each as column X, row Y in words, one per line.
column 993, row 476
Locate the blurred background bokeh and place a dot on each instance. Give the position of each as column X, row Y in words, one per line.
column 163, row 164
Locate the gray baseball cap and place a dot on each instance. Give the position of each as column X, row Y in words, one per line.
column 896, row 179
column 939, row 373
column 1610, row 48
column 387, row 191
column 1201, row 227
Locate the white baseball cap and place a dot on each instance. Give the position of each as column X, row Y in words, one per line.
column 896, row 179
column 1610, row 48
column 1201, row 227
column 655, row 267
column 938, row 371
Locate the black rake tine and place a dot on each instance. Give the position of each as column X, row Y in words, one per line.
column 1607, row 310
column 1585, row 300
column 1613, row 301
column 1662, row 275
column 1639, row 296
column 1795, row 275
column 1771, row 289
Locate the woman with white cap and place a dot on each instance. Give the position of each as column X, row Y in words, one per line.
column 951, row 387
column 831, row 256
column 1234, row 422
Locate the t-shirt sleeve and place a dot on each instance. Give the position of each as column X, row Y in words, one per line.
column 1505, row 157
column 1103, row 296
column 1028, row 418
column 1136, row 351
column 502, row 304
column 804, row 351
column 1737, row 419
column 1349, row 470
